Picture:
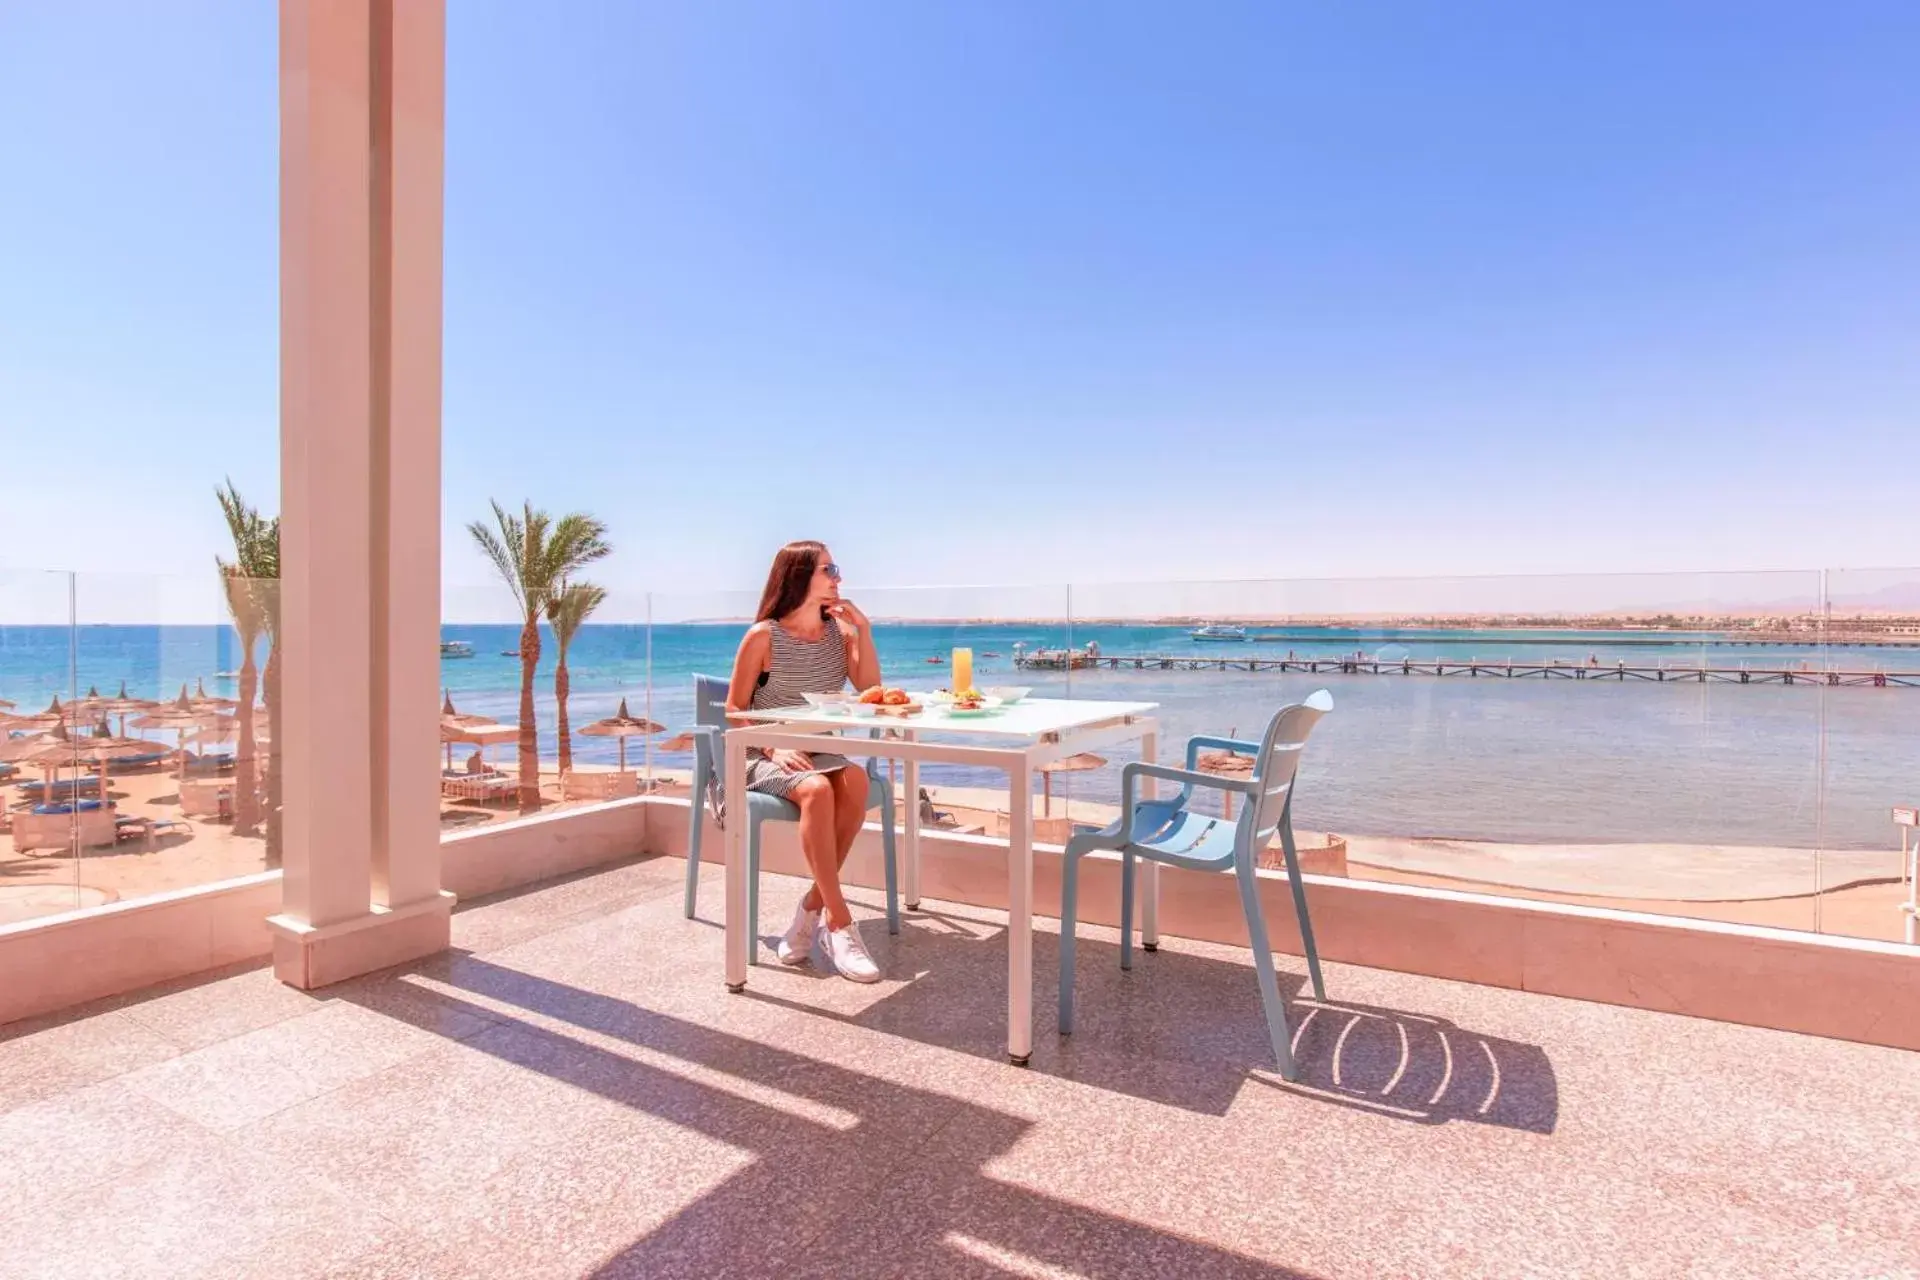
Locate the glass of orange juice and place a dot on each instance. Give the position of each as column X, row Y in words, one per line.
column 962, row 670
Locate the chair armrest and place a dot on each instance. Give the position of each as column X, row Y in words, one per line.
column 1233, row 745
column 1130, row 774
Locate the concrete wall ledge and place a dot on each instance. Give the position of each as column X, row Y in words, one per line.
column 1846, row 988
column 56, row 962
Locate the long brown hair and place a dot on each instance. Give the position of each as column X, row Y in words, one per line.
column 790, row 580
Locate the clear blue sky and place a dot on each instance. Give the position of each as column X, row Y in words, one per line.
column 1026, row 292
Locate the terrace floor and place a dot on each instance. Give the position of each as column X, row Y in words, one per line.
column 571, row 1092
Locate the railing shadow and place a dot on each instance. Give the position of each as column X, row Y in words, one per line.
column 951, row 1208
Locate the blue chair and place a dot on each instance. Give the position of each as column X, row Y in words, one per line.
column 1169, row 831
column 710, row 764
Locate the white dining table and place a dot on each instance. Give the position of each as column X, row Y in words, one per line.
column 1016, row 739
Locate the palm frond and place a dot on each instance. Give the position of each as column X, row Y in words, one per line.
column 577, row 541
column 256, row 539
column 251, row 579
column 570, row 607
column 537, row 555
column 506, row 548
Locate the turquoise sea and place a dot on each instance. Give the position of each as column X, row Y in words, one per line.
column 1807, row 766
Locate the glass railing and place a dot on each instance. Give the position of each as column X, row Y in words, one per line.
column 37, row 689
column 1724, row 746
column 1718, row 746
column 139, row 742
column 1869, row 765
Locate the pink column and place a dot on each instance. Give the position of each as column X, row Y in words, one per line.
column 362, row 116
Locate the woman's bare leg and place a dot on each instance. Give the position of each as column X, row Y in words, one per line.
column 816, row 797
column 849, row 807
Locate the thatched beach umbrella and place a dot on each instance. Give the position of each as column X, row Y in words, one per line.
column 14, row 750
column 52, row 718
column 451, row 720
column 1081, row 763
column 52, row 751
column 478, row 730
column 180, row 716
column 60, row 748
column 219, row 732
column 678, row 742
column 123, row 706
column 449, row 712
column 105, row 747
column 204, row 701
column 622, row 725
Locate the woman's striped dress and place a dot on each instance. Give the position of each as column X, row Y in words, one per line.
column 797, row 667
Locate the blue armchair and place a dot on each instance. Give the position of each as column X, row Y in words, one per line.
column 709, row 766
column 1169, row 831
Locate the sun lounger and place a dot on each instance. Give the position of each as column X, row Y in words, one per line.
column 487, row 788
column 65, row 789
column 149, row 829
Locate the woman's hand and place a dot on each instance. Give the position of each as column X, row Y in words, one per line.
column 863, row 660
column 848, row 613
column 792, row 761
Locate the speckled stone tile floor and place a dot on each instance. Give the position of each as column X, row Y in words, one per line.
column 571, row 1092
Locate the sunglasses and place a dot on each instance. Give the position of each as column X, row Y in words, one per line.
column 832, row 571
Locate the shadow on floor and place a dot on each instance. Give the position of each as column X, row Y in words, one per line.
column 1415, row 1067
column 1196, row 1014
column 901, row 1191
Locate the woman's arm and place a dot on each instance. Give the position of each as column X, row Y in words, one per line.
column 863, row 659
column 748, row 663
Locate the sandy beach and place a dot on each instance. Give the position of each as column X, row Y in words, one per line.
column 1851, row 893
column 1854, row 893
column 40, row 883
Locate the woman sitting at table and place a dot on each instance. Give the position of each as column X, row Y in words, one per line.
column 806, row 639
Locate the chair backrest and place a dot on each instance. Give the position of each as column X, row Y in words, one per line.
column 1276, row 766
column 710, row 702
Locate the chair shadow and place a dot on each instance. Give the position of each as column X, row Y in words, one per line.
column 1196, row 1018
column 1420, row 1068
column 705, row 1237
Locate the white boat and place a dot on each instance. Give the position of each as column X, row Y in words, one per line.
column 1219, row 631
column 455, row 649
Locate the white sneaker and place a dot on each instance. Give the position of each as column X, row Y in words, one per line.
column 849, row 953
column 796, row 946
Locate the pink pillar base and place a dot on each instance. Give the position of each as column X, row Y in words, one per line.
column 308, row 957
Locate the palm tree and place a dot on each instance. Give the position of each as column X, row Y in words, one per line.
column 251, row 584
column 565, row 612
column 536, row 555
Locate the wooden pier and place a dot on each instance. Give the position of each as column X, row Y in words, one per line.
column 1481, row 669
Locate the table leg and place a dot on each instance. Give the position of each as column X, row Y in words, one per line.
column 738, row 944
column 1020, row 915
column 910, row 844
column 1149, row 871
